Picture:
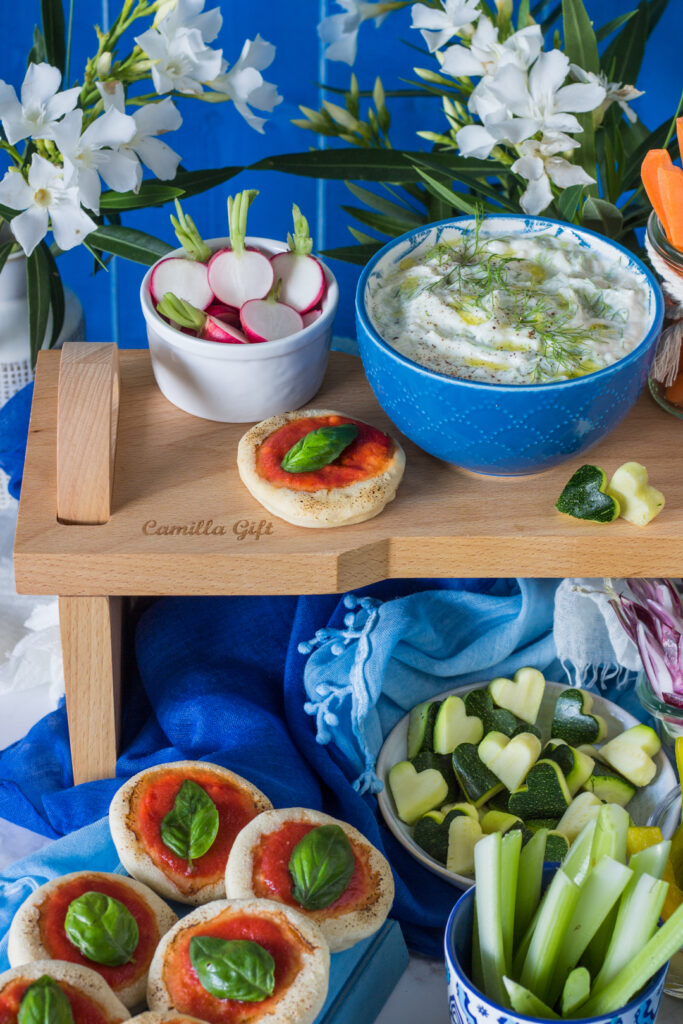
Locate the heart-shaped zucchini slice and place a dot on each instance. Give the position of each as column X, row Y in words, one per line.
column 480, row 703
column 582, row 809
column 463, row 836
column 521, row 695
column 544, row 794
column 414, row 792
column 573, row 720
column 453, row 726
column 585, row 496
column 639, row 501
column 426, row 759
column 510, row 760
column 499, row 821
column 477, row 782
column 431, row 832
column 609, row 785
column 421, row 727
column 576, row 765
column 632, row 753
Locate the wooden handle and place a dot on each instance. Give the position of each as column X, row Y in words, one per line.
column 87, row 418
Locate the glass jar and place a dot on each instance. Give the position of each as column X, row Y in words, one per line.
column 668, row 264
column 668, row 720
column 667, row 817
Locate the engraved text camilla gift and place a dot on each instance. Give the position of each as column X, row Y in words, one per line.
column 242, row 528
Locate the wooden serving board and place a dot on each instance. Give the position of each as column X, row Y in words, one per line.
column 182, row 522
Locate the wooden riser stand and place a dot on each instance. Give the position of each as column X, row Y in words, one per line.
column 125, row 495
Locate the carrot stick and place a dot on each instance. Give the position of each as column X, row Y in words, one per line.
column 654, row 160
column 670, row 182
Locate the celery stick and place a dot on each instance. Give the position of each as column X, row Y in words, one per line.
column 666, row 941
column 487, row 898
column 599, row 893
column 576, row 990
column 577, row 862
column 525, row 1002
column 652, row 860
column 611, row 833
column 511, row 845
column 637, row 918
column 554, row 916
column 529, row 882
column 523, row 946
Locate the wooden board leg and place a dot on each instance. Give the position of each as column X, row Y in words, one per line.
column 91, row 646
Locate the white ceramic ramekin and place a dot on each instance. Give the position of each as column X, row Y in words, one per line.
column 239, row 383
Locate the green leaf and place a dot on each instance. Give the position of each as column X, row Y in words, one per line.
column 194, row 182
column 319, row 448
column 603, row 217
column 191, row 826
column 233, row 968
column 44, row 1002
column 5, row 250
column 102, row 928
column 54, row 32
column 523, row 15
column 37, row 53
column 623, row 57
column 568, row 202
column 611, row 26
column 356, row 254
column 580, row 43
column 390, row 165
column 443, row 192
column 381, row 222
column 321, row 866
column 411, row 218
column 38, row 287
column 57, row 303
column 656, row 9
column 655, row 140
column 132, row 245
column 478, row 185
column 152, row 193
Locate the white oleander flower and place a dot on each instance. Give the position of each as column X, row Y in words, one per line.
column 49, row 197
column 438, row 26
column 246, row 86
column 615, row 92
column 95, row 153
column 339, row 32
column 540, row 164
column 151, row 121
column 176, row 46
column 40, row 107
column 486, row 54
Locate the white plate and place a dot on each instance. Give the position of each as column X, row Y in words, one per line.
column 394, row 749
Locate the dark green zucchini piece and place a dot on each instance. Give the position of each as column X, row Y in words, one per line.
column 421, row 727
column 526, row 727
column 431, row 833
column 584, row 496
column 609, row 785
column 576, row 765
column 442, row 763
column 573, row 721
column 556, row 847
column 480, row 703
column 534, row 824
column 477, row 782
column 545, row 793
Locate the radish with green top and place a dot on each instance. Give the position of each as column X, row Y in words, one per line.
column 185, row 276
column 268, row 319
column 239, row 274
column 300, row 274
column 207, row 327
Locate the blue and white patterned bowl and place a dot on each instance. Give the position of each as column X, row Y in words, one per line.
column 467, row 1005
column 499, row 429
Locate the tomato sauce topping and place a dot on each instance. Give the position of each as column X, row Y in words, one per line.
column 271, row 878
column 367, row 456
column 154, row 798
column 51, row 921
column 84, row 1009
column 284, row 943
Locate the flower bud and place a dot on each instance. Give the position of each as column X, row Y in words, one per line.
column 103, row 66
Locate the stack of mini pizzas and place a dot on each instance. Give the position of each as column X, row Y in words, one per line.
column 274, row 892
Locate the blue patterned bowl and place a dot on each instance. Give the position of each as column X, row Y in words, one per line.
column 502, row 429
column 467, row 1005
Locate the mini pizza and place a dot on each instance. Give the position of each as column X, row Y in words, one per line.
column 173, row 826
column 239, row 961
column 33, row 985
column 172, row 1017
column 99, row 920
column 319, row 468
column 286, row 856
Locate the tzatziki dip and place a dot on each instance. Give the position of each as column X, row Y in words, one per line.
column 511, row 308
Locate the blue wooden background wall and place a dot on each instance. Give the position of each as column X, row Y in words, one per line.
column 215, row 135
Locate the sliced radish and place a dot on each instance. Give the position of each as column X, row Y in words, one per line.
column 268, row 319
column 311, row 316
column 223, row 312
column 238, row 274
column 300, row 275
column 185, row 278
column 186, row 316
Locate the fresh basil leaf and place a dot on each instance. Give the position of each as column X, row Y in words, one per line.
column 102, row 928
column 319, row 448
column 191, row 826
column 43, row 1002
column 233, row 968
column 321, row 866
